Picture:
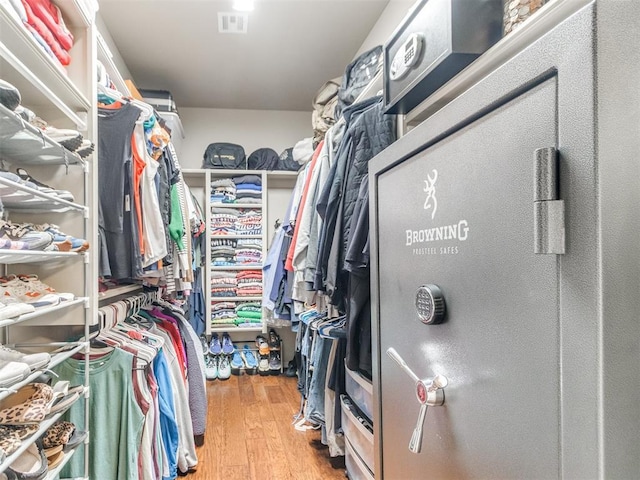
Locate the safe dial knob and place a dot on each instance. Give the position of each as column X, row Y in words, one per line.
column 430, row 304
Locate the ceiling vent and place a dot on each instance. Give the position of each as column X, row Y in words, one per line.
column 233, row 22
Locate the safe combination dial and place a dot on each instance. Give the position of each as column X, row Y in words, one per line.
column 430, row 304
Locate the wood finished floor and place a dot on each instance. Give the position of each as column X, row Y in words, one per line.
column 250, row 436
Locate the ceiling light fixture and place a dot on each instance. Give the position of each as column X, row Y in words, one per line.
column 243, row 5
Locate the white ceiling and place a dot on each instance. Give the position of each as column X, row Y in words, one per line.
column 291, row 49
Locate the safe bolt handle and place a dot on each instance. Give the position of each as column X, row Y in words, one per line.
column 430, row 393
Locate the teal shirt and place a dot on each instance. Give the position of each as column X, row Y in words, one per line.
column 115, row 419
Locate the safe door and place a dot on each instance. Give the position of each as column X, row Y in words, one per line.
column 469, row 328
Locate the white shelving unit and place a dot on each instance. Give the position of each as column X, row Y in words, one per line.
column 199, row 181
column 64, row 98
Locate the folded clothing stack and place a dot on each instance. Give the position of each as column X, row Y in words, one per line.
column 223, row 284
column 223, row 221
column 249, row 310
column 223, row 190
column 248, row 188
column 223, row 252
column 249, row 283
column 43, row 20
column 249, row 256
column 223, row 313
column 249, row 222
column 249, row 251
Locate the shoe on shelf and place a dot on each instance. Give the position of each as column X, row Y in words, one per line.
column 43, row 187
column 263, row 365
column 12, row 372
column 29, row 405
column 68, row 138
column 35, row 285
column 9, row 440
column 236, row 363
column 9, row 95
column 13, row 310
column 210, row 366
column 32, row 464
column 274, row 340
column 263, row 346
column 21, row 233
column 275, row 364
column 14, row 289
column 34, row 360
column 24, row 113
column 6, row 244
column 227, row 344
column 224, row 368
column 205, row 344
column 86, row 148
column 65, row 243
column 215, row 347
column 249, row 359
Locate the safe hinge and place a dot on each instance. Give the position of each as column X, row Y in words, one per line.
column 548, row 208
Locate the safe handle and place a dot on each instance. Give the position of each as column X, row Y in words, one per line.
column 395, row 356
column 428, row 392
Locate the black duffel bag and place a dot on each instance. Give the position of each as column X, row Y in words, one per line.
column 263, row 159
column 286, row 161
column 224, row 155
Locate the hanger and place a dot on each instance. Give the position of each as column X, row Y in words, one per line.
column 109, row 94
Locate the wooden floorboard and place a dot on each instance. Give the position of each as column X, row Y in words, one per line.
column 250, row 434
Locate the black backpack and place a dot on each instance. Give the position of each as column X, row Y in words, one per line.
column 224, row 155
column 286, row 161
column 263, row 159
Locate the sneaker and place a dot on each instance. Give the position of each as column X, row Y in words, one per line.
column 215, row 346
column 205, row 344
column 36, row 285
column 9, row 95
column 15, row 290
column 227, row 344
column 291, row 370
column 263, row 346
column 12, row 372
column 274, row 340
column 61, row 242
column 68, row 138
column 236, row 363
column 263, row 365
column 19, row 233
column 275, row 364
column 85, row 149
column 6, row 244
column 210, row 367
column 43, row 187
column 224, row 368
column 249, row 359
column 65, row 243
column 34, row 360
column 13, row 310
column 26, row 114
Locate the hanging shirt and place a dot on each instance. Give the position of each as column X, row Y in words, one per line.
column 153, row 229
column 116, row 419
column 116, row 210
column 168, row 420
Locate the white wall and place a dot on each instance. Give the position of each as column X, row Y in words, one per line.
column 252, row 129
column 389, row 20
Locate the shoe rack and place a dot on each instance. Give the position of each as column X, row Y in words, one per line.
column 64, row 98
